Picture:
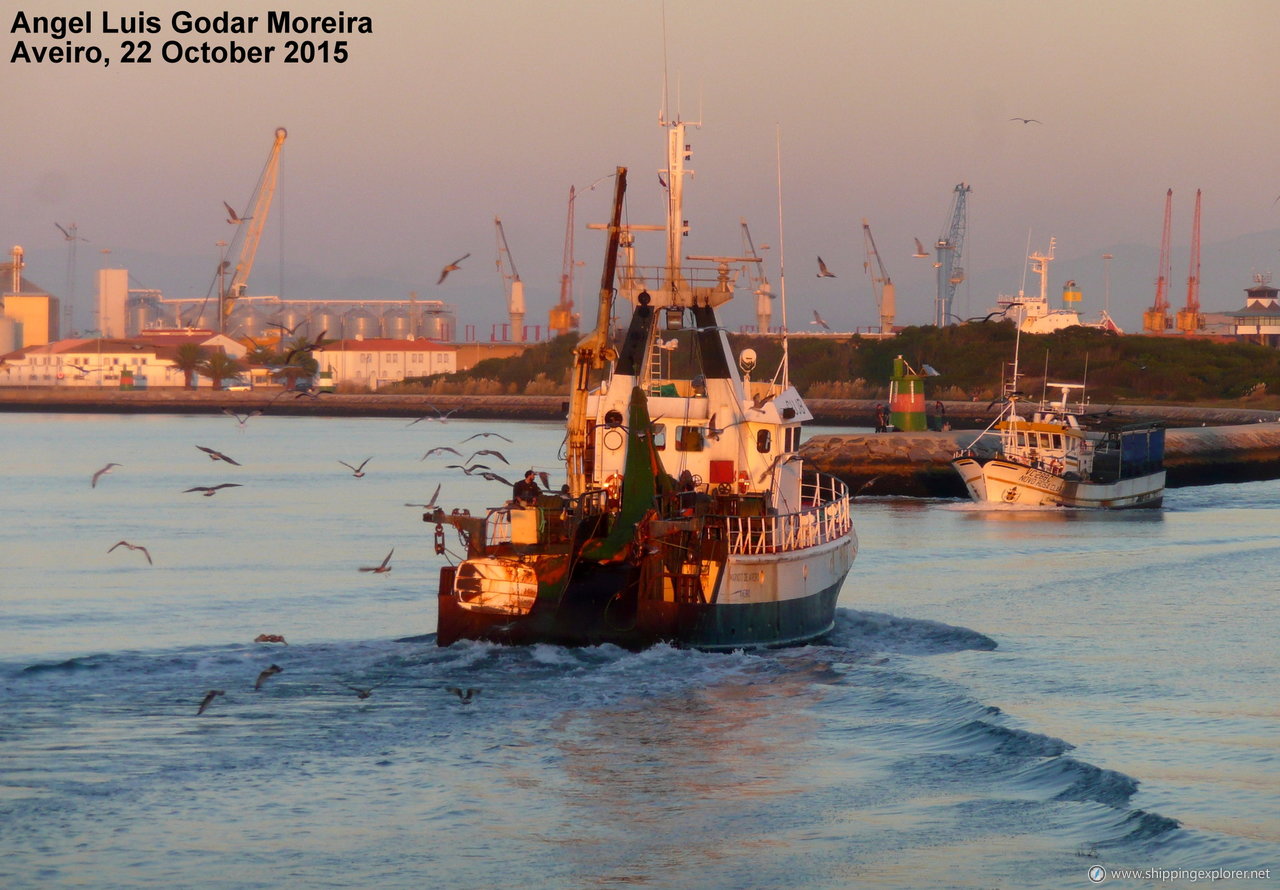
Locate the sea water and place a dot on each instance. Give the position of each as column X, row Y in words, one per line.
column 1011, row 697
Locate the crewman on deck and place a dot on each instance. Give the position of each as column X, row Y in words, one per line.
column 526, row 491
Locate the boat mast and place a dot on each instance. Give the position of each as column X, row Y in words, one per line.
column 782, row 264
column 595, row 350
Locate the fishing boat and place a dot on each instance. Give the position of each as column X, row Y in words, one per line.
column 687, row 516
column 1061, row 456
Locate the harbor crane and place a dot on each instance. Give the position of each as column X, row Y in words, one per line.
column 949, row 247
column 1156, row 319
column 1189, row 319
column 760, row 285
column 511, row 284
column 881, row 284
column 249, row 230
column 562, row 318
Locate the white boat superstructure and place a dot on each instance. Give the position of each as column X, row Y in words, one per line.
column 1034, row 314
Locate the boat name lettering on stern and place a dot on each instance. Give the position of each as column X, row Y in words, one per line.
column 55, row 46
column 1041, row 479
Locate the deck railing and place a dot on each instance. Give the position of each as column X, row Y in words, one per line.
column 826, row 519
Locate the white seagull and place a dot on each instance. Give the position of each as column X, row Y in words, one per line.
column 385, row 566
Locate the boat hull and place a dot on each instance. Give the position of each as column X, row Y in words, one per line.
column 1001, row 481
column 602, row 605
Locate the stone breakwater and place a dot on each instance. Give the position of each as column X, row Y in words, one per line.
column 918, row 464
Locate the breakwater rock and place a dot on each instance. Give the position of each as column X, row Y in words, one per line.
column 918, row 464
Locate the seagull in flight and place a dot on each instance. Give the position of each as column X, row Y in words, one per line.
column 363, row 692
column 1026, row 120
column 266, row 675
column 823, row 271
column 356, row 471
column 477, row 435
column 464, row 695
column 93, row 483
column 70, row 237
column 234, row 218
column 452, row 267
column 218, row 455
column 430, row 503
column 493, row 477
column 497, row 454
column 242, row 419
column 441, row 449
column 713, row 431
column 208, row 699
column 144, row 550
column 469, row 469
column 384, row 566
column 820, row 321
column 920, row 253
column 284, row 329
column 442, row 416
column 211, row 490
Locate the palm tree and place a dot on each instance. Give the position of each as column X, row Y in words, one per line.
column 260, row 354
column 298, row 361
column 300, row 365
column 188, row 360
column 218, row 367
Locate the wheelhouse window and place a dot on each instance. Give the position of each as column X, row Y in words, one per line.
column 689, row 438
column 764, row 441
column 659, row 432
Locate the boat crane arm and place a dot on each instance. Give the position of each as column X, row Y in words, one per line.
column 595, row 350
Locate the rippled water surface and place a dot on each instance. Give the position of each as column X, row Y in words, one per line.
column 1010, row 697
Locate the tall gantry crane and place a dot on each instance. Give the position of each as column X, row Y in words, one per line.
column 249, row 228
column 562, row 318
column 949, row 249
column 1156, row 319
column 760, row 285
column 1190, row 319
column 511, row 284
column 881, row 285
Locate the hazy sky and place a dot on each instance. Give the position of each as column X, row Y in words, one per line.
column 450, row 113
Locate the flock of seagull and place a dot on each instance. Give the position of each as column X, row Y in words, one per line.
column 465, row 695
column 357, row 471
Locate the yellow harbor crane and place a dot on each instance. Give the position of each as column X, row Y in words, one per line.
column 249, row 226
